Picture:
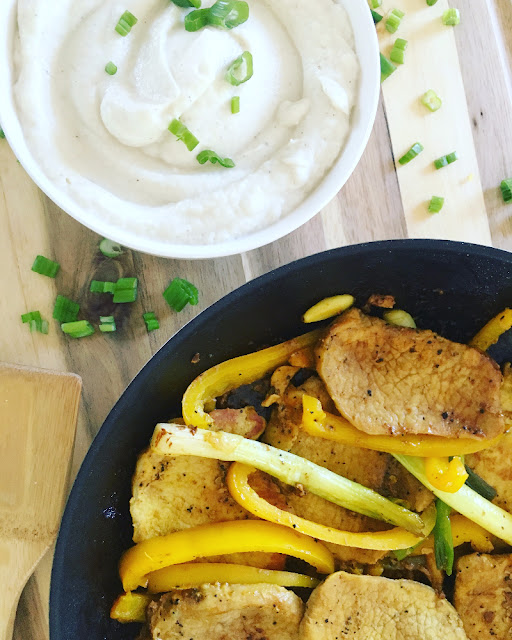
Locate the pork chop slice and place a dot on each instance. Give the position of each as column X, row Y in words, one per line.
column 373, row 608
column 393, row 380
column 227, row 612
column 483, row 595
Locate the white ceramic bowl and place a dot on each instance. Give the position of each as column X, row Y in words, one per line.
column 362, row 122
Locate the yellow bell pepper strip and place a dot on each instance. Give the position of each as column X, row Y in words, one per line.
column 234, row 373
column 463, row 530
column 328, row 307
column 238, row 484
column 492, row 331
column 466, row 501
column 339, row 429
column 192, row 575
column 238, row 536
column 176, row 440
column 312, row 412
column 130, row 607
column 446, row 475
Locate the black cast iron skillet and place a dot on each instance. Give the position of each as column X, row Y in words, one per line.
column 452, row 288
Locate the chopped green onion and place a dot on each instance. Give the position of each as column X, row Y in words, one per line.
column 393, row 20
column 110, row 249
column 401, row 554
column 185, row 4
column 35, row 321
column 97, row 286
column 125, row 23
column 435, row 204
column 451, row 17
column 45, row 327
column 30, row 316
column 444, row 161
column 126, row 290
column 213, row 157
column 225, row 14
column 431, row 3
column 196, row 20
column 235, row 104
column 2, row 134
column 79, row 329
column 151, row 321
column 235, row 75
column 65, row 310
column 431, row 100
column 183, row 134
column 180, row 293
column 107, row 324
column 377, row 17
column 386, row 68
column 401, row 44
column 506, row 189
column 414, row 151
column 397, row 55
column 45, row 267
column 479, row 485
column 111, row 68
column 374, row 4
column 443, row 539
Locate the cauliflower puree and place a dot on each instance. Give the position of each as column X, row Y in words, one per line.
column 104, row 139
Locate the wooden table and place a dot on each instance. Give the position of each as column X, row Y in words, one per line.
column 469, row 66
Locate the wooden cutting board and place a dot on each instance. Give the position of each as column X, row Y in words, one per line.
column 38, row 412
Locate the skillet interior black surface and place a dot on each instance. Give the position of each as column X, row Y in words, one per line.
column 452, row 288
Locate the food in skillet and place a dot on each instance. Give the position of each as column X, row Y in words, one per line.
column 339, row 452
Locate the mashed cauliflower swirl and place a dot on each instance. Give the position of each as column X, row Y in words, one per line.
column 104, row 140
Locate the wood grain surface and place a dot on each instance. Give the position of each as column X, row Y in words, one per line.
column 469, row 66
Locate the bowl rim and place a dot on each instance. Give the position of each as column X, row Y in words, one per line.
column 362, row 121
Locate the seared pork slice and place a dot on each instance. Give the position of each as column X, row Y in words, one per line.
column 227, row 612
column 371, row 608
column 483, row 596
column 392, row 380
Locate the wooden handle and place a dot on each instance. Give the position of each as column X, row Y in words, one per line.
column 17, row 561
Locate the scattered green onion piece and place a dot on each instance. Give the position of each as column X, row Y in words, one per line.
column 443, row 539
column 185, row 4
column 107, row 324
column 214, row 158
column 98, row 286
column 2, row 134
column 386, row 68
column 196, row 20
column 400, row 43
column 444, row 161
column 393, row 20
column 151, row 321
column 431, row 100
column 45, row 327
column 401, row 554
column 111, row 68
column 110, row 249
column 374, row 4
column 479, row 485
column 126, row 290
column 451, row 17
column 125, row 23
column 431, row 3
column 65, row 310
column 30, row 316
column 79, row 329
column 45, row 267
column 35, row 321
column 414, row 151
column 506, row 189
column 183, row 134
column 397, row 55
column 236, row 77
column 235, row 104
column 435, row 204
column 377, row 17
column 180, row 293
column 228, row 14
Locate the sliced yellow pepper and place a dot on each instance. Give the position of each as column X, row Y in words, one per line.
column 312, row 412
column 130, row 607
column 446, row 475
column 463, row 530
column 492, row 331
column 218, row 539
column 238, row 483
column 328, row 307
column 339, row 429
column 192, row 575
column 234, row 373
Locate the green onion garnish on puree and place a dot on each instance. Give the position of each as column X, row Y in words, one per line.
column 183, row 134
column 414, row 151
column 151, row 321
column 398, row 51
column 393, row 20
column 444, row 161
column 180, row 293
column 80, row 329
column 225, row 14
column 35, row 321
column 235, row 105
column 111, row 68
column 443, row 540
column 125, row 23
column 386, row 68
column 98, row 286
column 436, row 204
column 186, row 4
column 506, row 189
column 431, row 100
column 241, row 69
column 374, row 4
column 110, row 249
column 431, row 3
column 377, row 17
column 65, row 310
column 126, row 290
column 107, row 324
column 214, row 158
column 451, row 17
column 45, row 267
